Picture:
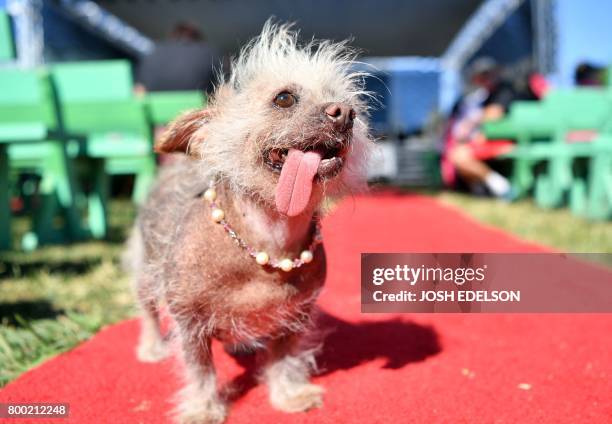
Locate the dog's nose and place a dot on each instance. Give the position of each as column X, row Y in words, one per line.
column 341, row 115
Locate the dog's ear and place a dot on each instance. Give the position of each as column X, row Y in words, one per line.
column 184, row 133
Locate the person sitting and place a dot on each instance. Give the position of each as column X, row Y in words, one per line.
column 589, row 75
column 488, row 100
column 185, row 61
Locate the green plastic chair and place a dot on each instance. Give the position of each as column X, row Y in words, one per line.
column 164, row 106
column 526, row 123
column 590, row 196
column 549, row 122
column 7, row 49
column 99, row 109
column 30, row 142
column 600, row 181
column 576, row 110
column 579, row 108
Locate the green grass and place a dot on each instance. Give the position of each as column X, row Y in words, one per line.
column 557, row 228
column 58, row 296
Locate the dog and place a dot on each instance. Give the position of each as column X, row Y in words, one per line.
column 229, row 238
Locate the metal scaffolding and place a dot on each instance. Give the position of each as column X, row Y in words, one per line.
column 29, row 36
column 108, row 26
column 477, row 30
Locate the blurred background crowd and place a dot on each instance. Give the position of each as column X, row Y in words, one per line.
column 500, row 107
column 460, row 87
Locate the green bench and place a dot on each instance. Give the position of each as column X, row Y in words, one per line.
column 7, row 49
column 74, row 126
column 528, row 123
column 582, row 115
column 99, row 110
column 31, row 142
column 552, row 136
column 163, row 107
column 590, row 195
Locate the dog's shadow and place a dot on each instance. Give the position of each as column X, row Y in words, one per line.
column 347, row 345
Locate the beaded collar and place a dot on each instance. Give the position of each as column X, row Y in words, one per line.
column 261, row 257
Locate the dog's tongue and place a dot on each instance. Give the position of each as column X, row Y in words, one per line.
column 295, row 182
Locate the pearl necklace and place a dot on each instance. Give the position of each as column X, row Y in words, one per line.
column 261, row 257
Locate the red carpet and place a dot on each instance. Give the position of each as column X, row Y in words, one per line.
column 375, row 368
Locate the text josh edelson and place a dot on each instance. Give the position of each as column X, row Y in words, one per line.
column 458, row 276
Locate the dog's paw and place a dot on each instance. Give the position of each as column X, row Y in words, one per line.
column 152, row 352
column 208, row 413
column 298, row 398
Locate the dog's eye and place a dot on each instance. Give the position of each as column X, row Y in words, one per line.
column 285, row 99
